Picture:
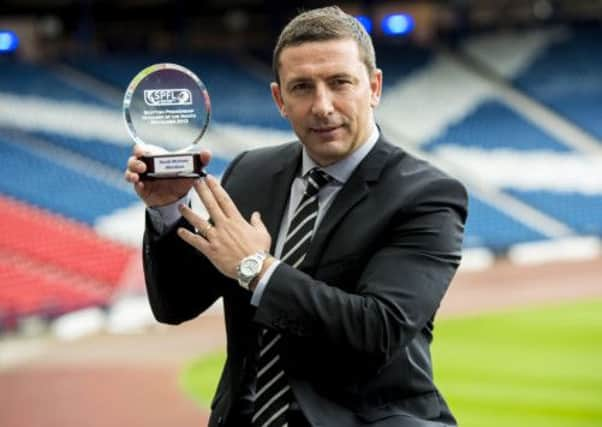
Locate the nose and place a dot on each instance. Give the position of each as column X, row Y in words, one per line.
column 322, row 105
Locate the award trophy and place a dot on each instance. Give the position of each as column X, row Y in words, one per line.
column 167, row 110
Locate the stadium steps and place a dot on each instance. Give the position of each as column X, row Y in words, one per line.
column 550, row 88
column 32, row 288
column 65, row 184
column 238, row 96
column 567, row 77
column 25, row 79
column 457, row 93
column 555, row 91
column 47, row 239
column 481, row 113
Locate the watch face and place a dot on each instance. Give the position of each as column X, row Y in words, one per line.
column 249, row 267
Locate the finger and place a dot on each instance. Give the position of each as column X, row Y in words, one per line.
column 257, row 222
column 130, row 177
column 205, row 157
column 195, row 220
column 222, row 197
column 206, row 229
column 208, row 199
column 136, row 165
column 139, row 150
column 193, row 240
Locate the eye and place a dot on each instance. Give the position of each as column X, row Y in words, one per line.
column 341, row 82
column 300, row 87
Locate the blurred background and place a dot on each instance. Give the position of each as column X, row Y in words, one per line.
column 505, row 95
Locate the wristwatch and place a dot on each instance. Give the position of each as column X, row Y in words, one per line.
column 249, row 267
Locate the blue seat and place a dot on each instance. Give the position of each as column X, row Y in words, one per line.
column 494, row 125
column 399, row 60
column 567, row 77
column 39, row 181
column 489, row 227
column 114, row 156
column 241, row 98
column 581, row 212
column 237, row 96
column 24, row 79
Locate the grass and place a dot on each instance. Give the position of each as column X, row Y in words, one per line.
column 536, row 367
column 199, row 377
column 539, row 367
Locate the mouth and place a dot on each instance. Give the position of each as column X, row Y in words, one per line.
column 322, row 130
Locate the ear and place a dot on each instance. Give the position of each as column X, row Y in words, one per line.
column 277, row 96
column 376, row 87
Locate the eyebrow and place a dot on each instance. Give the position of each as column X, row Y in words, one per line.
column 296, row 80
column 342, row 76
column 331, row 77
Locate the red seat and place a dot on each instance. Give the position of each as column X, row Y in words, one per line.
column 51, row 265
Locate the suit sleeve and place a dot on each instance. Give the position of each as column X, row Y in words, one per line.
column 397, row 293
column 181, row 282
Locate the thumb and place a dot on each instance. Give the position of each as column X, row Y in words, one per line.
column 257, row 222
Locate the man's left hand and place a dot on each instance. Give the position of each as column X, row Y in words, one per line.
column 228, row 238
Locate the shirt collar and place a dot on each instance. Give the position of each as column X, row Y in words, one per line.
column 342, row 170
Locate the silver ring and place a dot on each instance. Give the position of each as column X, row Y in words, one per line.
column 205, row 230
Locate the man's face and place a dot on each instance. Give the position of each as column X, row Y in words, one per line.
column 327, row 94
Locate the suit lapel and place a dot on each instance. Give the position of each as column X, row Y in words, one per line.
column 353, row 192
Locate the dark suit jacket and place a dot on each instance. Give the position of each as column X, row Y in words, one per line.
column 357, row 316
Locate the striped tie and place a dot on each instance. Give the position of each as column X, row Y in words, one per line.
column 273, row 393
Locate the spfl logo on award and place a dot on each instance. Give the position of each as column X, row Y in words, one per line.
column 167, row 97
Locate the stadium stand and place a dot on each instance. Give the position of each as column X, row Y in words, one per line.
column 399, row 60
column 50, row 265
column 106, row 153
column 494, row 125
column 494, row 129
column 446, row 112
column 582, row 212
column 567, row 77
column 109, row 154
column 560, row 168
column 41, row 181
column 63, row 148
column 32, row 289
column 238, row 96
column 26, row 80
column 49, row 239
column 491, row 228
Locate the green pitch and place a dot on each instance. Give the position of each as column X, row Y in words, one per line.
column 538, row 367
column 534, row 368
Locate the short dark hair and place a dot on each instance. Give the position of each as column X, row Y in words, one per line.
column 327, row 23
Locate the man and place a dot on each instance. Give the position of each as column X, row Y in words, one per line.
column 331, row 287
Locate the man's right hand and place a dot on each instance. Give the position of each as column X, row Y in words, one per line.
column 160, row 192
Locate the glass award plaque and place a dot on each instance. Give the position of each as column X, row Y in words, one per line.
column 167, row 109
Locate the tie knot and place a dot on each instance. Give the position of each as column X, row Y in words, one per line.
column 316, row 179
